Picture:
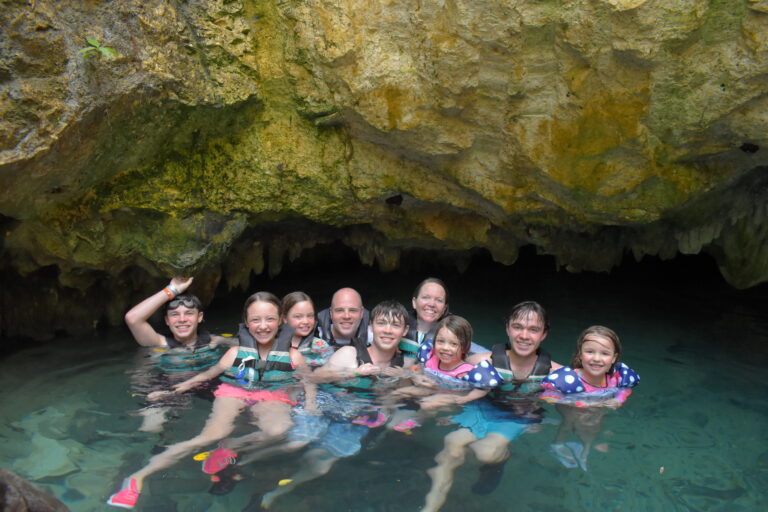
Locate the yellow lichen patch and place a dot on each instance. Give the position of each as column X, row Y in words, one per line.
column 625, row 5
column 457, row 229
column 582, row 146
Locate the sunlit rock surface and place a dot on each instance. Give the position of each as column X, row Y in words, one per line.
column 229, row 136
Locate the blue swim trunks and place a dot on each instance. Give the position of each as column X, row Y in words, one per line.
column 482, row 418
column 330, row 427
column 342, row 439
column 339, row 439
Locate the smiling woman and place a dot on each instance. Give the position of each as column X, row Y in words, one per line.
column 430, row 304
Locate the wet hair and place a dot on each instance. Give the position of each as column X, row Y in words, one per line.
column 603, row 332
column 294, row 298
column 185, row 299
column 460, row 328
column 262, row 297
column 524, row 309
column 389, row 309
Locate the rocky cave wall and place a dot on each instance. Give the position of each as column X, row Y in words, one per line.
column 228, row 136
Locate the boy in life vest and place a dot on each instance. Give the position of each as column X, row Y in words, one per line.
column 360, row 369
column 185, row 351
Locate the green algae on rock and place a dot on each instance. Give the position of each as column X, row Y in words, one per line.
column 231, row 135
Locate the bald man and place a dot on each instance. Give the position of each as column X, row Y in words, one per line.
column 345, row 320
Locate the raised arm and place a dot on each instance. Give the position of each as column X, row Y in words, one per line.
column 137, row 318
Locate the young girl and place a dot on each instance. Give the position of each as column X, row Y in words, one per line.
column 444, row 357
column 595, row 378
column 446, row 372
column 256, row 376
column 300, row 314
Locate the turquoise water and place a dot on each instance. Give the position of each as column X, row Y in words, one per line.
column 692, row 437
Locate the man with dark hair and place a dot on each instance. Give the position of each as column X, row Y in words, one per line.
column 389, row 323
column 488, row 427
column 358, row 363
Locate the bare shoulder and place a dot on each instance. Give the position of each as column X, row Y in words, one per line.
column 296, row 358
column 345, row 357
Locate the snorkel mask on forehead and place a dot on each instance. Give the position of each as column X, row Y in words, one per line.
column 187, row 300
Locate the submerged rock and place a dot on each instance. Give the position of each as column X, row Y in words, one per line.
column 18, row 495
column 227, row 137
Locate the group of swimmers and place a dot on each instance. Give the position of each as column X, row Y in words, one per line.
column 319, row 381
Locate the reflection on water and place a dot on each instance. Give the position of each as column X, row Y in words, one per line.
column 691, row 437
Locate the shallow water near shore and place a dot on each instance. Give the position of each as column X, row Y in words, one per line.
column 691, row 437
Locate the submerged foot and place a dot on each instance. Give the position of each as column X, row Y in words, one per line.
column 127, row 496
column 268, row 499
column 225, row 481
column 564, row 454
column 489, row 478
column 218, row 459
column 254, row 505
column 579, row 453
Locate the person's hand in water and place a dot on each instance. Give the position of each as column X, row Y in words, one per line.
column 368, row 369
column 438, row 401
column 394, row 371
column 424, row 382
column 158, row 395
column 184, row 386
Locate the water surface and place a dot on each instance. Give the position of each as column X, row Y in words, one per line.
column 692, row 437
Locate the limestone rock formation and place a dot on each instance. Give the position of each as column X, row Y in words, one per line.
column 229, row 135
column 18, row 495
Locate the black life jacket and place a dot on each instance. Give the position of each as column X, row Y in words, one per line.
column 325, row 331
column 413, row 329
column 364, row 357
column 203, row 340
column 501, row 362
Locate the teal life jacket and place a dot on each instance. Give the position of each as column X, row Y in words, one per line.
column 316, row 351
column 249, row 371
column 414, row 339
column 409, row 347
column 180, row 358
